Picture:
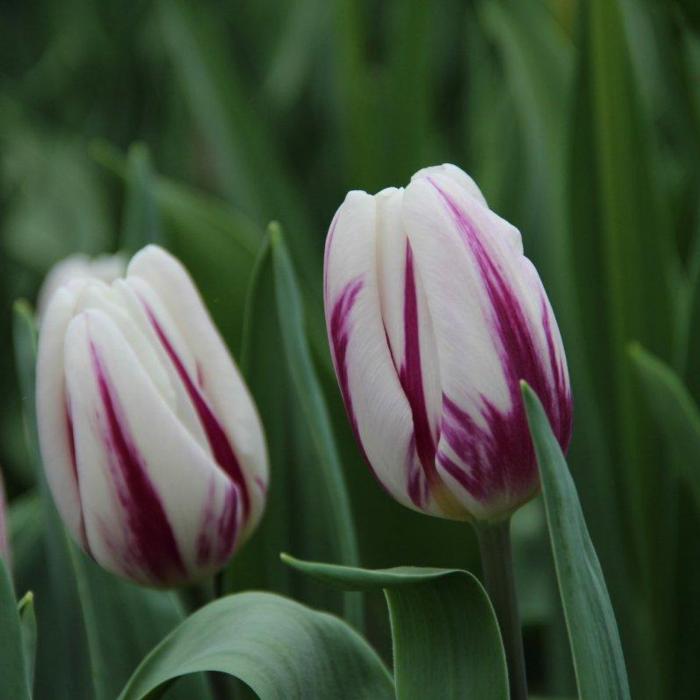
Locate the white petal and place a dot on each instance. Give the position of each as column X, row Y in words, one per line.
column 52, row 408
column 150, row 492
column 220, row 380
column 105, row 268
column 465, row 253
column 457, row 175
column 369, row 382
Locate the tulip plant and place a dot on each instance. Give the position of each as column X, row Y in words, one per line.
column 453, row 374
column 451, row 454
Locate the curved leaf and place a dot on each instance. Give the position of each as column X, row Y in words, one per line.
column 595, row 643
column 446, row 638
column 279, row 648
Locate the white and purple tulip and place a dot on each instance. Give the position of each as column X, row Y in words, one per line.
column 151, row 443
column 434, row 315
column 4, row 538
column 104, row 267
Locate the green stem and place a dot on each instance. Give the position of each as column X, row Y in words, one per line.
column 497, row 563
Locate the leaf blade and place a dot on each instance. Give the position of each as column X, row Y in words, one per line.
column 281, row 649
column 595, row 643
column 444, row 612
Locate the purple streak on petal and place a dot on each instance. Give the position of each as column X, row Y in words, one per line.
column 339, row 331
column 219, row 530
column 218, row 440
column 260, row 483
column 227, row 524
column 150, row 536
column 499, row 460
column 204, row 544
column 424, row 442
column 76, row 475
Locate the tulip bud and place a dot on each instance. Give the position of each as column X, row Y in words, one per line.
column 4, row 539
column 104, row 267
column 151, row 443
column 434, row 315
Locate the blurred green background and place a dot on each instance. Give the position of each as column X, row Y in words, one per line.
column 196, row 123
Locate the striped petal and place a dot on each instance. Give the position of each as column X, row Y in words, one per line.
column 493, row 326
column 211, row 380
column 366, row 328
column 157, row 509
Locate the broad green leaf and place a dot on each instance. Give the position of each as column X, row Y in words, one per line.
column 279, row 648
column 306, row 386
column 675, row 411
column 257, row 565
column 93, row 627
column 27, row 619
column 446, row 638
column 308, row 507
column 141, row 223
column 13, row 672
column 595, row 643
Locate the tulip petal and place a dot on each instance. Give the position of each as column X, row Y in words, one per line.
column 219, row 395
column 54, row 419
column 368, row 356
column 411, row 339
column 157, row 508
column 493, row 326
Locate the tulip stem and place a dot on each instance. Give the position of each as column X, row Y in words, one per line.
column 497, row 563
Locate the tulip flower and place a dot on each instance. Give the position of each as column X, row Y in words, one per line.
column 4, row 539
column 434, row 316
column 151, row 443
column 104, row 267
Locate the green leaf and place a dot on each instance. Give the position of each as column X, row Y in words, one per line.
column 308, row 392
column 279, row 648
column 141, row 224
column 595, row 643
column 111, row 623
column 446, row 638
column 308, row 507
column 27, row 619
column 14, row 683
column 675, row 411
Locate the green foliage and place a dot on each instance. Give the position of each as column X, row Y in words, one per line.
column 280, row 649
column 308, row 494
column 445, row 633
column 580, row 120
column 595, row 642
